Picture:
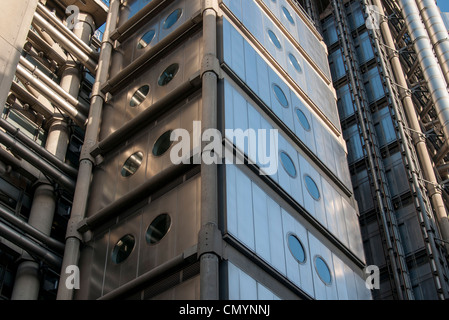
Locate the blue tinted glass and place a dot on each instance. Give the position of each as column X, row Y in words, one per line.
column 312, row 188
column 172, row 18
column 274, row 39
column 296, row 248
column 288, row 15
column 295, row 62
column 288, row 164
column 168, row 74
column 280, row 95
column 303, row 119
column 146, row 39
column 323, row 270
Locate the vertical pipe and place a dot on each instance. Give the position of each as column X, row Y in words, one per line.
column 440, row 105
column 209, row 261
column 437, row 32
column 73, row 237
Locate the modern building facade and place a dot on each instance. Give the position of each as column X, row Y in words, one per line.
column 90, row 187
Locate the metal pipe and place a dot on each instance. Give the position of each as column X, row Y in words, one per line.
column 79, row 105
column 29, row 245
column 146, row 116
column 431, row 70
column 68, row 45
column 209, row 260
column 64, row 167
column 41, row 9
column 30, row 230
column 41, row 45
column 56, row 99
column 73, row 237
column 159, row 50
column 437, row 32
column 145, row 279
column 420, row 147
column 143, row 191
column 36, row 161
column 441, row 106
column 31, row 100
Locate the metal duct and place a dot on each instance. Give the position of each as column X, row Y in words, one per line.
column 28, row 229
column 36, row 161
column 80, row 106
column 431, row 69
column 30, row 246
column 437, row 32
column 66, row 43
column 74, row 114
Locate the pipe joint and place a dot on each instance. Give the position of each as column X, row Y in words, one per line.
column 211, row 63
column 209, row 5
column 210, row 240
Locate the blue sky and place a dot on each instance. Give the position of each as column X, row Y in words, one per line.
column 444, row 5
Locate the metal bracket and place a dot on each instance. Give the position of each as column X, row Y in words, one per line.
column 72, row 230
column 210, row 240
column 211, row 63
column 210, row 4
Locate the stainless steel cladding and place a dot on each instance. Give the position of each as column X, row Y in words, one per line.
column 146, row 89
column 113, row 178
column 139, row 242
column 241, row 112
column 250, row 67
column 276, row 236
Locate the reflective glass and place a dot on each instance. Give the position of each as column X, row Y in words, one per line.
column 172, row 19
column 158, row 229
column 288, row 164
column 312, row 187
column 280, row 95
column 132, row 164
column 323, row 270
column 296, row 248
column 162, row 144
column 123, row 249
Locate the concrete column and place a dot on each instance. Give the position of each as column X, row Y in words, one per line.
column 27, row 284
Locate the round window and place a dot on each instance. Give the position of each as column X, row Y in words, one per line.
column 295, row 63
column 274, row 39
column 168, row 74
column 288, row 15
column 312, row 187
column 123, row 249
column 280, row 95
column 162, row 144
column 139, row 96
column 288, row 164
column 303, row 119
column 132, row 164
column 146, row 39
column 296, row 248
column 158, row 229
column 172, row 19
column 323, row 270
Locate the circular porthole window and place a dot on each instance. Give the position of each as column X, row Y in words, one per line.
column 158, row 229
column 162, row 144
column 168, row 74
column 303, row 119
column 123, row 249
column 295, row 62
column 139, row 96
column 280, row 95
column 172, row 19
column 312, row 187
column 288, row 164
column 288, row 15
column 146, row 39
column 132, row 164
column 323, row 271
column 274, row 39
column 296, row 248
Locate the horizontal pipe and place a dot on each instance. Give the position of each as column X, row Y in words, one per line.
column 41, row 45
column 145, row 117
column 56, row 99
column 53, row 20
column 36, row 161
column 117, row 207
column 27, row 98
column 64, row 167
column 66, row 43
column 30, row 230
column 77, row 104
column 159, row 50
column 30, row 246
column 145, row 279
column 136, row 21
